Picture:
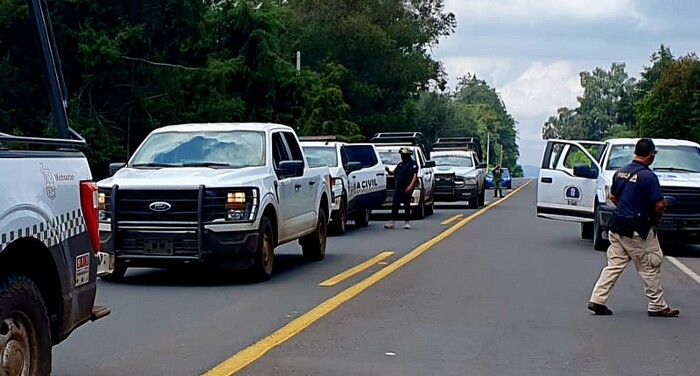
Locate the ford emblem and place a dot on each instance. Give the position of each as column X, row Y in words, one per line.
column 159, row 206
column 670, row 201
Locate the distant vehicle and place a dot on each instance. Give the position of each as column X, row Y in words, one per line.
column 506, row 181
column 575, row 178
column 459, row 173
column 358, row 179
column 50, row 252
column 388, row 145
column 223, row 193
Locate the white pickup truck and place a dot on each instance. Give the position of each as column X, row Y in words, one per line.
column 224, row 193
column 575, row 179
column 357, row 175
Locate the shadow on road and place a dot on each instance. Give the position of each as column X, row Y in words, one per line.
column 208, row 276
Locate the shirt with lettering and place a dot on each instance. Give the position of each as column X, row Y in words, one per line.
column 637, row 189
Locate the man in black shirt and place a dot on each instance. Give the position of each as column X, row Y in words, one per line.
column 406, row 178
column 636, row 193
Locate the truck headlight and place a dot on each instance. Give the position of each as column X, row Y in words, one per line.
column 470, row 180
column 102, row 214
column 337, row 187
column 241, row 205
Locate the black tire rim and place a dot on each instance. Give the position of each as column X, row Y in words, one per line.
column 16, row 345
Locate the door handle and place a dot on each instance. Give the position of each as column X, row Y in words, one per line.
column 297, row 186
column 380, row 174
column 354, row 176
column 311, row 183
column 546, row 180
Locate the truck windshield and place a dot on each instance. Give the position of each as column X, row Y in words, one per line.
column 453, row 160
column 670, row 158
column 319, row 156
column 392, row 157
column 233, row 149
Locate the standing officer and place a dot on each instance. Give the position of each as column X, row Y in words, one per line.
column 636, row 193
column 497, row 179
column 406, row 173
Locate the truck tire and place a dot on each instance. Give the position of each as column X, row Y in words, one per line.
column 599, row 244
column 430, row 209
column 481, row 201
column 587, row 230
column 116, row 275
column 419, row 210
column 25, row 334
column 362, row 218
column 313, row 245
column 338, row 226
column 263, row 260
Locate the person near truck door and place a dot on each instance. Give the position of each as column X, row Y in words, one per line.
column 497, row 180
column 406, row 178
column 639, row 204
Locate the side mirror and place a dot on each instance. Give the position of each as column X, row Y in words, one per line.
column 481, row 165
column 353, row 166
column 114, row 167
column 429, row 164
column 585, row 171
column 291, row 169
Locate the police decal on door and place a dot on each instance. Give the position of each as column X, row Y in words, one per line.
column 572, row 194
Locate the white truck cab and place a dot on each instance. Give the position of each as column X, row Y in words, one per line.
column 460, row 174
column 575, row 178
column 358, row 180
column 388, row 145
column 214, row 193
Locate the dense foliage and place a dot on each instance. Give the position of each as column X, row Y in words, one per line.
column 131, row 66
column 663, row 103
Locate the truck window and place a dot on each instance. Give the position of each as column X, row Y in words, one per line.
column 279, row 149
column 318, row 156
column 668, row 157
column 575, row 157
column 455, row 160
column 363, row 154
column 294, row 147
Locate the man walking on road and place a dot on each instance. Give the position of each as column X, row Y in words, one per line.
column 406, row 178
column 497, row 179
column 636, row 193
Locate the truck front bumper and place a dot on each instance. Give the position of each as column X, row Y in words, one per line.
column 455, row 192
column 162, row 246
column 672, row 229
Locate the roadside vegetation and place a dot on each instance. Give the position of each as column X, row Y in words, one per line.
column 135, row 65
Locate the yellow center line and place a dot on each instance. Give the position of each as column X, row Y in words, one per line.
column 448, row 221
column 356, row 269
column 254, row 352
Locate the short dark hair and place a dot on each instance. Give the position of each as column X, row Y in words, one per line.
column 644, row 147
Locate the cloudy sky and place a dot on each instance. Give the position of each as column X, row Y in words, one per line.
column 532, row 51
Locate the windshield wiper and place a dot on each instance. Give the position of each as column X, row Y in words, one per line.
column 674, row 169
column 153, row 164
column 206, row 164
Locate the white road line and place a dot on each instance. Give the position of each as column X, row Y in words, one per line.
column 684, row 268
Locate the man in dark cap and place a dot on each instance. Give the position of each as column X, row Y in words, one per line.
column 406, row 178
column 636, row 193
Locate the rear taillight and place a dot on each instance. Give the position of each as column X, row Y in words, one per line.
column 90, row 207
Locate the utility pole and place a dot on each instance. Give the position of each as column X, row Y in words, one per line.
column 488, row 149
column 298, row 63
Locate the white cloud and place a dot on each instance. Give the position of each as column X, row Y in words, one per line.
column 538, row 11
column 493, row 70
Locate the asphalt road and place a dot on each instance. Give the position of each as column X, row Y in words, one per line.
column 503, row 295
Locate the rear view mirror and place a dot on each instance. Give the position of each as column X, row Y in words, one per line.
column 291, row 169
column 481, row 165
column 429, row 164
column 353, row 166
column 585, row 171
column 114, row 167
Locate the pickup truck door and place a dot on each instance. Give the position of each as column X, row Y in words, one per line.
column 425, row 174
column 561, row 195
column 367, row 186
column 287, row 193
column 306, row 188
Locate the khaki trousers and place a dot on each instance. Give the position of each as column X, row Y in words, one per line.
column 647, row 258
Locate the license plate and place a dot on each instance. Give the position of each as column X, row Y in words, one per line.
column 158, row 247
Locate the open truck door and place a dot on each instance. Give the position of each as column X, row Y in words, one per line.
column 566, row 185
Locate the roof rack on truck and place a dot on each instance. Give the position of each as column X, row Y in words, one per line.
column 403, row 138
column 460, row 143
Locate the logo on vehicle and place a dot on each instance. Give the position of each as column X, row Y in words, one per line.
column 160, row 206
column 572, row 195
column 49, row 181
column 670, row 201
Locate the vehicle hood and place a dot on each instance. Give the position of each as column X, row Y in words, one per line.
column 183, row 177
column 667, row 179
column 459, row 171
